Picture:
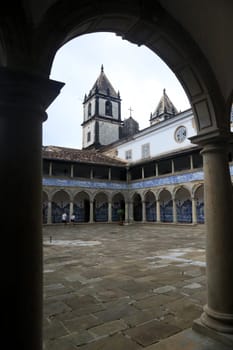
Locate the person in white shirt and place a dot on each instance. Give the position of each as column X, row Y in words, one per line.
column 72, row 219
column 64, row 218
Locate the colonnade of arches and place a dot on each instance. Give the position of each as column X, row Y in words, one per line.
column 177, row 205
column 87, row 207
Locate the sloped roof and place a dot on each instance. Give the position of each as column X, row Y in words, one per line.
column 103, row 86
column 78, row 155
column 165, row 106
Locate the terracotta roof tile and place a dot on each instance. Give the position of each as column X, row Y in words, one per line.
column 77, row 155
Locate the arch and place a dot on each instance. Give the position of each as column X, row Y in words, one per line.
column 108, row 108
column 150, row 204
column 137, row 207
column 100, row 207
column 150, row 25
column 118, row 203
column 199, row 202
column 45, row 199
column 166, row 206
column 58, row 192
column 180, row 189
column 60, row 204
column 81, row 207
column 183, row 205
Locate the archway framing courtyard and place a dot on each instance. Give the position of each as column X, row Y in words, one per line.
column 116, row 287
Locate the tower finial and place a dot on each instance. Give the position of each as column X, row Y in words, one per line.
column 130, row 111
column 164, row 91
column 102, row 68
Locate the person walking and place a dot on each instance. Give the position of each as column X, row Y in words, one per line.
column 72, row 219
column 64, row 218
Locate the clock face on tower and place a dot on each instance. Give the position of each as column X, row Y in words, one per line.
column 180, row 134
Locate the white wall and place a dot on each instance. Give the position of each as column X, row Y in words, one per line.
column 160, row 137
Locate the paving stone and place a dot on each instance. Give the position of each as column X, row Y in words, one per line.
column 82, row 301
column 116, row 312
column 56, row 308
column 185, row 309
column 154, row 302
column 193, row 286
column 130, row 281
column 115, row 342
column 61, row 344
column 80, row 338
column 200, row 297
column 89, row 309
column 58, row 297
column 138, row 317
column 81, row 323
column 54, row 329
column 110, row 294
column 151, row 332
column 164, row 289
column 108, row 328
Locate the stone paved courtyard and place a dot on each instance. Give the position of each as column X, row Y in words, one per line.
column 112, row 287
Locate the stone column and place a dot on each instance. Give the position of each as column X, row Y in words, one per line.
column 128, row 175
column 143, row 211
column 191, row 162
column 126, row 212
column 109, row 211
column 23, row 101
column 50, row 169
column 71, row 208
column 174, row 211
column 72, row 170
column 218, row 197
column 194, row 210
column 158, row 219
column 49, row 218
column 173, row 166
column 91, row 220
column 131, row 211
column 91, row 174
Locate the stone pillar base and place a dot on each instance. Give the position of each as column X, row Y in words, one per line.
column 202, row 328
column 221, row 322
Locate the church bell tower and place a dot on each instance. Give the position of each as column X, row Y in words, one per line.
column 101, row 114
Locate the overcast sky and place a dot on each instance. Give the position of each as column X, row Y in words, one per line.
column 136, row 72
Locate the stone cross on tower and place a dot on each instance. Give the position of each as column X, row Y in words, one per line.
column 130, row 111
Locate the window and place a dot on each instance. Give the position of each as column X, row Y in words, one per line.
column 108, row 108
column 88, row 136
column 89, row 109
column 128, row 154
column 146, row 150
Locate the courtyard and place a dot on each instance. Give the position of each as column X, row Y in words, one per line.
column 112, row 287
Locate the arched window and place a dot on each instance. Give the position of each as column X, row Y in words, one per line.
column 108, row 108
column 89, row 109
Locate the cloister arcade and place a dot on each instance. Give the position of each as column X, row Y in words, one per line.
column 195, row 40
column 180, row 204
